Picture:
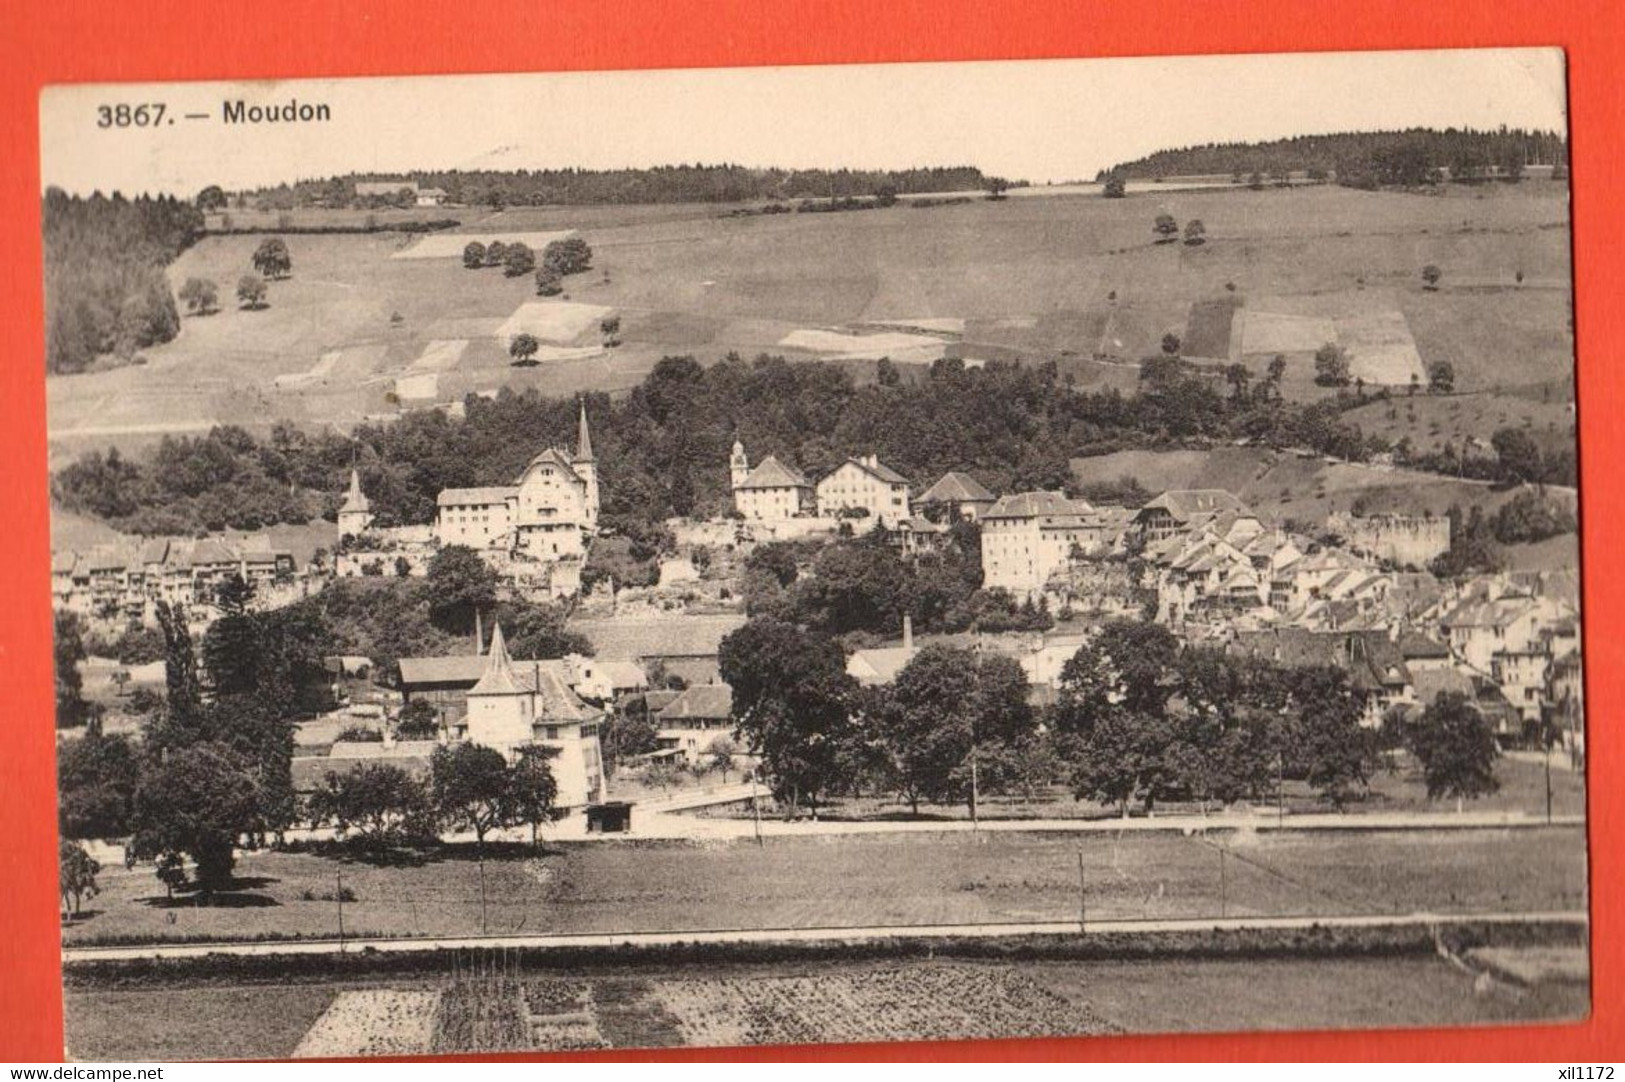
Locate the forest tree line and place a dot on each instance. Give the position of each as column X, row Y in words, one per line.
column 661, row 184
column 105, row 288
column 663, row 448
column 1360, row 159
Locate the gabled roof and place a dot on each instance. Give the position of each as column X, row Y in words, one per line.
column 702, row 701
column 629, row 638
column 876, row 469
column 879, row 664
column 553, row 457
column 211, row 551
column 956, row 487
column 1035, row 505
column 771, row 473
column 1185, row 503
column 154, row 550
column 463, row 497
column 456, row 669
column 1417, row 645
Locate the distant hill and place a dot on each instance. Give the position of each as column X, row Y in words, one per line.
column 1362, row 159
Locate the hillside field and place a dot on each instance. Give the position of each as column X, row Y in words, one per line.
column 1071, row 278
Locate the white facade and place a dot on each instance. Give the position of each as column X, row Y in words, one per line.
column 864, row 484
column 1028, row 537
column 517, row 705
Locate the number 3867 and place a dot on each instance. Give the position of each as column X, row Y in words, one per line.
column 145, row 115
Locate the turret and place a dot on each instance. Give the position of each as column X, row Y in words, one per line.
column 738, row 466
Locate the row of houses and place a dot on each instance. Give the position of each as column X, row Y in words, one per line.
column 114, row 586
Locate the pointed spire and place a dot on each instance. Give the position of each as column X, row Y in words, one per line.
column 355, row 499
column 583, row 439
column 498, row 678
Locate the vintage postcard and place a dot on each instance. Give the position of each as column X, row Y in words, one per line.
column 830, row 554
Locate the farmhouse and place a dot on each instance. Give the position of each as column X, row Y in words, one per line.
column 1180, row 510
column 866, row 488
column 385, row 189
column 685, row 646
column 956, row 495
column 694, row 720
column 431, row 197
column 771, row 491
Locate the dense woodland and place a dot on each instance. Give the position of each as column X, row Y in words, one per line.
column 105, row 289
column 663, row 184
column 1360, row 159
column 663, row 448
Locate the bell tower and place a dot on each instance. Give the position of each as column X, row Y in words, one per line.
column 586, row 468
column 738, row 466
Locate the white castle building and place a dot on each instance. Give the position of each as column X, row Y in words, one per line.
column 544, row 521
column 524, row 704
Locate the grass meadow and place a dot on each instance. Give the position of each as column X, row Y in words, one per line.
column 1063, row 278
column 908, row 879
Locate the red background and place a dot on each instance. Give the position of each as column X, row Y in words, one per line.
column 83, row 41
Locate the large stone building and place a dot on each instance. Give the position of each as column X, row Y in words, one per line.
column 770, row 492
column 1029, row 536
column 866, row 486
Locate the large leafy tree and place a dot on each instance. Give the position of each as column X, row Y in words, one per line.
column 197, row 802
column 97, row 776
column 272, row 259
column 380, row 802
column 459, row 585
column 76, row 874
column 469, row 784
column 532, row 789
column 791, row 696
column 1457, row 750
column 71, row 708
column 1328, row 744
column 947, row 710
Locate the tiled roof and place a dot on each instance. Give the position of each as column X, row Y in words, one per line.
column 464, row 497
column 880, row 664
column 880, row 471
column 1036, row 504
column 771, row 473
column 627, row 638
column 1183, row 503
column 456, row 669
column 553, row 457
column 706, row 701
column 956, row 487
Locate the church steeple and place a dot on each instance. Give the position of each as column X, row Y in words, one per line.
column 355, row 499
column 583, row 438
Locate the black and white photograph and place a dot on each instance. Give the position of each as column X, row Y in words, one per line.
column 827, row 554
